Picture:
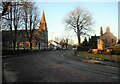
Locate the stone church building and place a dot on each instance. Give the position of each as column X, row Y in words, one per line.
column 108, row 38
column 40, row 37
column 41, row 34
column 104, row 40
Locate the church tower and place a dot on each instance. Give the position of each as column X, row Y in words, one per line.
column 43, row 32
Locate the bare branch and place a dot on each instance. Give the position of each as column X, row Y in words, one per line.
column 80, row 21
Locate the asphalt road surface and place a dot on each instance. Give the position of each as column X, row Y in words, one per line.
column 55, row 66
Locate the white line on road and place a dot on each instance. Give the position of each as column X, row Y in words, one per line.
column 112, row 67
column 115, row 77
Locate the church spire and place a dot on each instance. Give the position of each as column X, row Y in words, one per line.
column 43, row 17
column 43, row 24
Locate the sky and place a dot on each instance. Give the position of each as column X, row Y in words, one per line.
column 104, row 14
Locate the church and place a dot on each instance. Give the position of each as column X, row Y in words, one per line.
column 105, row 40
column 108, row 38
column 40, row 37
column 41, row 34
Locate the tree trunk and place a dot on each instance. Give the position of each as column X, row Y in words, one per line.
column 14, row 39
column 17, row 45
column 39, row 46
column 79, row 40
column 30, row 45
column 78, row 36
column 31, row 33
column 66, row 45
column 11, row 26
column 14, row 45
column 30, row 39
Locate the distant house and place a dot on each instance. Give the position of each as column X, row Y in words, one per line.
column 54, row 45
column 40, row 37
column 108, row 39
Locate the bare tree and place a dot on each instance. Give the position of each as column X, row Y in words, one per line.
column 80, row 21
column 12, row 20
column 7, row 20
column 31, row 20
column 34, row 20
column 16, row 21
column 5, row 6
column 19, row 15
column 11, row 17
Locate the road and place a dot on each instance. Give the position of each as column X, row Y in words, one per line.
column 55, row 66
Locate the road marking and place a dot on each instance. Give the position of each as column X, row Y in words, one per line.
column 115, row 77
column 6, row 56
column 112, row 67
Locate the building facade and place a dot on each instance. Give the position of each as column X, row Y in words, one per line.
column 106, row 39
column 41, row 34
column 39, row 40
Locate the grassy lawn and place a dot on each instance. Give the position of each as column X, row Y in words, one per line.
column 98, row 56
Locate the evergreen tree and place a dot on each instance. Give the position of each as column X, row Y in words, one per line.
column 85, row 42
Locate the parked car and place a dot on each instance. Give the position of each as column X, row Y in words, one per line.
column 74, row 48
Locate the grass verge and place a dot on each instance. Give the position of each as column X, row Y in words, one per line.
column 101, row 57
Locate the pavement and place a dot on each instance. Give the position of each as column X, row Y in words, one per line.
column 113, row 64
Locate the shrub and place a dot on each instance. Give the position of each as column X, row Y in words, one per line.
column 104, row 52
column 115, row 52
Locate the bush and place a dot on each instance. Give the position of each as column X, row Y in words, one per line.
column 115, row 52
column 104, row 52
